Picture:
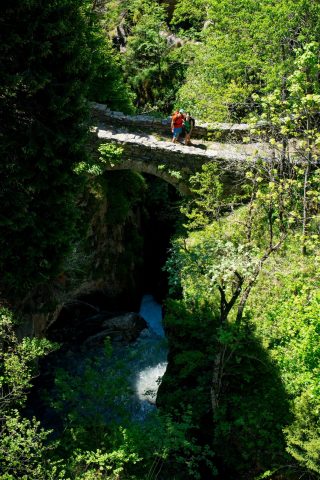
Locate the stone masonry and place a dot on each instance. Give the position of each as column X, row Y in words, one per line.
column 207, row 131
column 153, row 153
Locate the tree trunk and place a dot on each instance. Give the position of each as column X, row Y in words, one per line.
column 304, row 214
column 217, row 373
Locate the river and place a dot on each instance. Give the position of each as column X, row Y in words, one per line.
column 150, row 365
column 84, row 382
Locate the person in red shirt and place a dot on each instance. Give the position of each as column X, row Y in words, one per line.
column 176, row 124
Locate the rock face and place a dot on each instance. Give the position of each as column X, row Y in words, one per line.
column 108, row 272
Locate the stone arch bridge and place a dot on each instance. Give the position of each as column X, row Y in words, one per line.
column 147, row 148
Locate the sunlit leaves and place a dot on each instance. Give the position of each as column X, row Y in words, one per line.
column 246, row 48
column 18, row 362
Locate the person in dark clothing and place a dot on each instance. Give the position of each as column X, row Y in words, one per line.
column 188, row 124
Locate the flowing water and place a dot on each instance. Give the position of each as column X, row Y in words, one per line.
column 94, row 383
column 151, row 363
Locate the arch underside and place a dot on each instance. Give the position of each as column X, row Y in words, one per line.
column 173, row 178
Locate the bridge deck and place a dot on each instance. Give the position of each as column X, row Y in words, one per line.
column 230, row 152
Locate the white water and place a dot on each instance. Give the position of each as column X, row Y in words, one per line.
column 151, row 363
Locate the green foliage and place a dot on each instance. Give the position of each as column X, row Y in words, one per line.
column 45, row 58
column 110, row 155
column 246, row 428
column 297, row 353
column 121, row 200
column 17, row 362
column 142, row 451
column 303, row 435
column 88, row 406
column 206, row 262
column 222, row 263
column 99, row 439
column 54, row 59
column 152, row 68
column 147, row 45
column 253, row 408
column 290, row 125
column 107, row 83
column 288, row 327
column 191, row 13
column 24, row 444
column 191, row 336
column 208, row 197
column 134, row 186
column 246, row 48
column 244, row 342
column 224, row 259
column 25, row 452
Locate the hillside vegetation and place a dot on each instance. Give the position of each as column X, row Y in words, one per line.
column 241, row 397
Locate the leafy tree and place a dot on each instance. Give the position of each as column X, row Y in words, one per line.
column 288, row 328
column 303, row 435
column 46, row 61
column 107, row 83
column 153, row 69
column 17, row 362
column 88, row 406
column 221, row 261
column 54, row 58
column 23, row 443
column 291, row 129
column 99, row 437
column 246, row 48
column 25, row 452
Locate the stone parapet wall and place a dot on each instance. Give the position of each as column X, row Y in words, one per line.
column 207, row 131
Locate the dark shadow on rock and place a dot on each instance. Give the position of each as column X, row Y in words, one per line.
column 80, row 321
column 201, row 146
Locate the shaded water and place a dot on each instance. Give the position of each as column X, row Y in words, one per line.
column 151, row 311
column 92, row 384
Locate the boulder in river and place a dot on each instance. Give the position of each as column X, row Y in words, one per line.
column 123, row 328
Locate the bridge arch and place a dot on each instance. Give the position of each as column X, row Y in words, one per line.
column 173, row 163
column 174, row 178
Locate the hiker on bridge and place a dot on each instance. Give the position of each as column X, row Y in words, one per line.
column 188, row 125
column 177, row 120
column 182, row 123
